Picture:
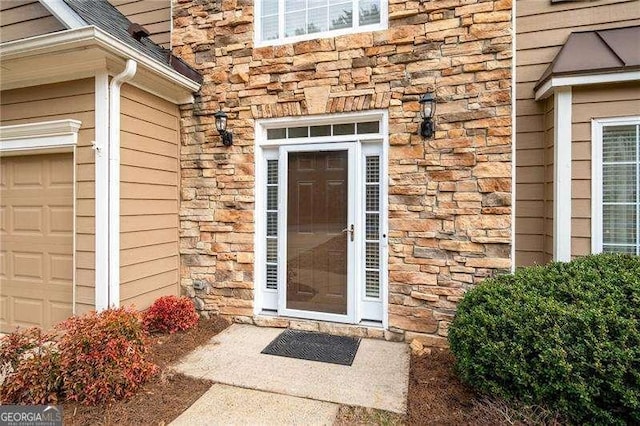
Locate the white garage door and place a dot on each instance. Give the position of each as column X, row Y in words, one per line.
column 36, row 240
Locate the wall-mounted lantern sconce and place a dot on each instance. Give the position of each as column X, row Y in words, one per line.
column 427, row 111
column 221, row 126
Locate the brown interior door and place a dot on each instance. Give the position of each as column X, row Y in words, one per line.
column 316, row 244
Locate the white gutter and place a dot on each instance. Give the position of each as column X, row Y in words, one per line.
column 101, row 164
column 86, row 36
column 114, row 180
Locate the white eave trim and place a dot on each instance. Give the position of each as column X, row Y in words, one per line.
column 64, row 13
column 86, row 36
column 46, row 135
column 585, row 79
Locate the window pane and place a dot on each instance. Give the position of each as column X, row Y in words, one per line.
column 619, row 249
column 619, row 224
column 373, row 169
column 272, row 250
column 269, row 7
column 295, row 24
column 272, row 172
column 344, row 129
column 373, row 198
column 298, row 132
column 373, row 284
column 619, row 143
column 619, row 183
column 369, row 12
column 270, row 28
column 317, row 20
column 372, row 255
column 272, row 198
column 272, row 277
column 272, row 224
column 276, row 133
column 321, row 130
column 341, row 16
column 368, row 127
column 373, row 226
column 294, row 5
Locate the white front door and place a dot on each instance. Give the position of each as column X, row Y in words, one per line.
column 321, row 228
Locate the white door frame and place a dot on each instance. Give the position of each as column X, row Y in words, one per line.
column 267, row 301
column 352, row 195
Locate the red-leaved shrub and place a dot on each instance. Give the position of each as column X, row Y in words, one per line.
column 169, row 314
column 102, row 356
column 30, row 366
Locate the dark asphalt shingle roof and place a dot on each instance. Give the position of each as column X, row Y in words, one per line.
column 105, row 16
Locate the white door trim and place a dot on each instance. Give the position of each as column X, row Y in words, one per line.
column 352, row 195
column 269, row 150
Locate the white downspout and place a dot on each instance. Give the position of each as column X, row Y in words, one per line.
column 114, row 180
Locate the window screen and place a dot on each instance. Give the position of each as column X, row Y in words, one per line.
column 621, row 189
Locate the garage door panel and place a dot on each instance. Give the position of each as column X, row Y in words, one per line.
column 61, row 267
column 28, row 312
column 27, row 219
column 37, row 240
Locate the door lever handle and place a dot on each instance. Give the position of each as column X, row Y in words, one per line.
column 350, row 230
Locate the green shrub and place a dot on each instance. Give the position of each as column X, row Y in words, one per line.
column 565, row 335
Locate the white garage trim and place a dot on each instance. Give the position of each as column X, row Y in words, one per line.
column 49, row 136
column 46, row 137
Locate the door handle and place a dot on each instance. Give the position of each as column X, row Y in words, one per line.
column 350, row 230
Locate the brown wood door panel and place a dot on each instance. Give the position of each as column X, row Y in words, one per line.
column 36, row 250
column 316, row 246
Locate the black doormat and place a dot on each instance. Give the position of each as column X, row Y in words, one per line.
column 314, row 347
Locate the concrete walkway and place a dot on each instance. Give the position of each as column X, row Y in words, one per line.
column 290, row 388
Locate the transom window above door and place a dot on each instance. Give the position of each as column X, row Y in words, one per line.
column 284, row 21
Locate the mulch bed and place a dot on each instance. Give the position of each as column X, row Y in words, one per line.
column 437, row 396
column 164, row 397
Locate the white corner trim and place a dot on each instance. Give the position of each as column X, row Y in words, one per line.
column 596, row 174
column 64, row 13
column 114, row 180
column 580, row 80
column 101, row 150
column 562, row 197
column 61, row 135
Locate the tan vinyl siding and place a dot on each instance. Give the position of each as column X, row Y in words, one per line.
column 22, row 19
column 149, row 167
column 154, row 15
column 542, row 28
column 69, row 100
column 605, row 101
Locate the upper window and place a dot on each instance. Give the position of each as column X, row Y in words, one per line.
column 618, row 188
column 295, row 20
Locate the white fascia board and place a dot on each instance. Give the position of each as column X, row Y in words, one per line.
column 88, row 36
column 64, row 13
column 585, row 79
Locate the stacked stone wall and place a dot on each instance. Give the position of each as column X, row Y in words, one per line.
column 449, row 197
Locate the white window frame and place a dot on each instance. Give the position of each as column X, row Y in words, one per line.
column 356, row 28
column 597, row 125
column 266, row 149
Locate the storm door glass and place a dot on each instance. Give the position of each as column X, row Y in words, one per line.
column 316, row 242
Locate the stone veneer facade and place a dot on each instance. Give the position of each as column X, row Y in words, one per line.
column 449, row 197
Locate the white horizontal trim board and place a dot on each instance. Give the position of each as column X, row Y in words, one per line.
column 58, row 135
column 584, row 79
